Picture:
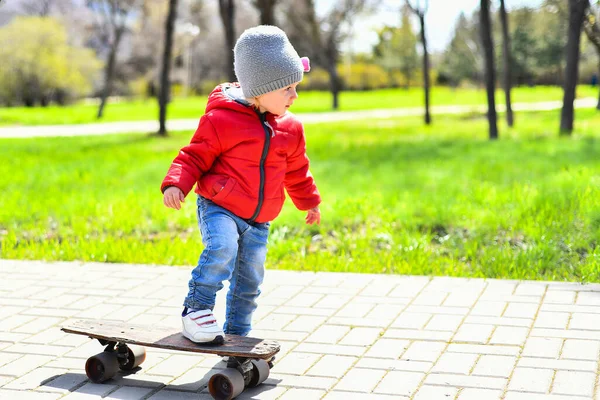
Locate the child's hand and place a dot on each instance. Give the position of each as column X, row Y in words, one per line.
column 313, row 216
column 173, row 197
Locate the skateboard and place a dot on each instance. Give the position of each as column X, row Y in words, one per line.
column 249, row 363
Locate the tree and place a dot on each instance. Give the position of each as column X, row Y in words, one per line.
column 591, row 25
column 507, row 63
column 267, row 11
column 320, row 37
column 490, row 74
column 39, row 64
column 112, row 17
column 165, row 83
column 396, row 50
column 462, row 60
column 524, row 46
column 420, row 13
column 577, row 9
column 227, row 13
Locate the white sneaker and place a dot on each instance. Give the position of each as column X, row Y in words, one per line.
column 200, row 326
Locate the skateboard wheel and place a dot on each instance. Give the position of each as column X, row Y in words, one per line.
column 226, row 385
column 102, row 366
column 136, row 355
column 260, row 372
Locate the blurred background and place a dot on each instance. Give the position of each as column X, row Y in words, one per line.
column 63, row 51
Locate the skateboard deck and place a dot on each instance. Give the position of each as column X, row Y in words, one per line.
column 250, row 359
column 165, row 337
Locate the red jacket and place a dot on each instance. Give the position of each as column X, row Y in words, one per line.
column 242, row 160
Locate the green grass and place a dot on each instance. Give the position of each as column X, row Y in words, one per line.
column 193, row 107
column 399, row 197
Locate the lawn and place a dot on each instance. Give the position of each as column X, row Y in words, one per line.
column 399, row 198
column 193, row 107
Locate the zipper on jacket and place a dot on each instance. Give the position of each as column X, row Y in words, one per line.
column 267, row 128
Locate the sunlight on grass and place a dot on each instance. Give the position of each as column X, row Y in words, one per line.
column 398, row 197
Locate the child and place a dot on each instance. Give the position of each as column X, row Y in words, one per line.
column 246, row 150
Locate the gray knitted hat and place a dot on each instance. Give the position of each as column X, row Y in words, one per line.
column 265, row 60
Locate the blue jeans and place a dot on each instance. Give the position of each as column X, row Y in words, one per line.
column 235, row 251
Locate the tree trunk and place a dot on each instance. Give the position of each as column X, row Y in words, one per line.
column 490, row 74
column 267, row 11
column 165, row 83
column 598, row 105
column 334, row 84
column 576, row 14
column 109, row 72
column 507, row 59
column 227, row 12
column 426, row 83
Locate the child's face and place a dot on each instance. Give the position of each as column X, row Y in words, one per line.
column 278, row 101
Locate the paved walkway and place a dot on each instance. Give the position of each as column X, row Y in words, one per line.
column 307, row 118
column 343, row 336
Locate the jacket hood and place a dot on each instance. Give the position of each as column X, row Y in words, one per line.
column 229, row 96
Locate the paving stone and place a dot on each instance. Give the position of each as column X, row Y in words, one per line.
column 419, row 309
column 535, row 396
column 268, row 392
column 330, row 334
column 304, row 300
column 21, row 395
column 581, row 349
column 90, row 391
column 491, row 365
column 489, row 308
column 355, row 310
column 559, row 297
column 484, row 349
column 305, row 323
column 473, row 333
column 394, row 365
column 479, row 394
column 430, row 298
column 193, row 379
column 305, row 382
column 585, row 322
column 360, row 380
column 296, row 363
column 542, row 347
column 361, row 337
column 302, row 394
column 531, row 380
column 480, row 382
column 339, row 395
column 461, row 299
column 129, row 393
column 417, row 334
column 388, row 348
column 335, row 349
column 455, row 363
column 509, row 335
column 436, row 392
column 424, row 351
column 412, row 320
column 448, row 323
column 400, row 383
column 24, row 364
column 574, row 383
column 34, row 378
column 547, row 319
column 499, row 321
column 63, row 383
column 175, row 365
column 571, row 365
column 332, row 366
